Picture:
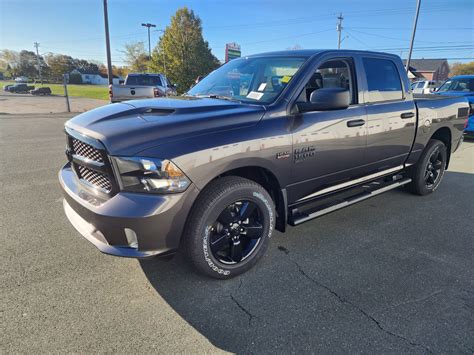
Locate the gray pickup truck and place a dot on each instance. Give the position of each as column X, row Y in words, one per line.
column 141, row 86
column 263, row 142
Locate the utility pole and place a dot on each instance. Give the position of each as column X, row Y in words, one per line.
column 339, row 30
column 36, row 44
column 148, row 25
column 418, row 4
column 107, row 45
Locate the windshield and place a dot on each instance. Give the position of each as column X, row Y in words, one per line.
column 144, row 80
column 253, row 80
column 459, row 84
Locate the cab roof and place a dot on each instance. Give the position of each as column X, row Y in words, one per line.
column 311, row 52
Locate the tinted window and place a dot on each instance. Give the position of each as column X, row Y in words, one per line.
column 458, row 84
column 383, row 80
column 145, row 80
column 331, row 74
column 421, row 84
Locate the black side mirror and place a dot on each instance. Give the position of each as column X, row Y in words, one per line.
column 326, row 99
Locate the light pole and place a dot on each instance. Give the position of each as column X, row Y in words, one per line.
column 148, row 25
column 107, row 44
column 418, row 4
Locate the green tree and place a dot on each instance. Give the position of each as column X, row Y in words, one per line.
column 136, row 57
column 59, row 64
column 182, row 51
column 27, row 64
column 9, row 61
column 462, row 69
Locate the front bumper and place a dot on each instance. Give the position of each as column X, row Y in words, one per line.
column 128, row 224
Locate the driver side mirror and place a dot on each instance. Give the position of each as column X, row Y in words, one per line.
column 326, row 99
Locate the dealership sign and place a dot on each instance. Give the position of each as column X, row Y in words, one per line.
column 232, row 51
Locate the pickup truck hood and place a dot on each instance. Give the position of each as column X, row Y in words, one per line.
column 133, row 126
column 469, row 94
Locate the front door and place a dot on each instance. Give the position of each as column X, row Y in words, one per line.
column 328, row 146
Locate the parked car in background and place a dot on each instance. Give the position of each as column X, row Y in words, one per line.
column 264, row 141
column 20, row 88
column 6, row 87
column 461, row 85
column 141, row 86
column 21, row 79
column 41, row 91
column 424, row 86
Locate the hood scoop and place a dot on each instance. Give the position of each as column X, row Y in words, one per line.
column 157, row 112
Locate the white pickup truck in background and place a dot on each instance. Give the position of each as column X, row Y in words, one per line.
column 141, row 86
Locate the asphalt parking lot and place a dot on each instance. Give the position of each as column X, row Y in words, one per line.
column 394, row 274
column 30, row 104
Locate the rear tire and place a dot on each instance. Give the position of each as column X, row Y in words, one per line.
column 428, row 172
column 229, row 227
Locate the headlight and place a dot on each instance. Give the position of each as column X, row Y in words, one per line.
column 150, row 175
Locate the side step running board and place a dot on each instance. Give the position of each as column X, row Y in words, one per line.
column 298, row 217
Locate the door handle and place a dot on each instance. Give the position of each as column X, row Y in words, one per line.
column 355, row 123
column 407, row 115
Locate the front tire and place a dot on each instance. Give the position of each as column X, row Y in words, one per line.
column 229, row 227
column 428, row 172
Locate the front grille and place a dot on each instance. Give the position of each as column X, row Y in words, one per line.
column 90, row 163
column 86, row 150
column 95, row 178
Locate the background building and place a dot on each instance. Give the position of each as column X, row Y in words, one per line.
column 429, row 69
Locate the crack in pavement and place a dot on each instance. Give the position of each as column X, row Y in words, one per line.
column 242, row 308
column 346, row 301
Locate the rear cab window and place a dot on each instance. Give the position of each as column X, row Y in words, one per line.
column 144, row 80
column 383, row 80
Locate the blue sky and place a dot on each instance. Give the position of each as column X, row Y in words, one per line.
column 75, row 27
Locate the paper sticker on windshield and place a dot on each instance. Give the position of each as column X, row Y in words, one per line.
column 262, row 86
column 255, row 95
column 285, row 79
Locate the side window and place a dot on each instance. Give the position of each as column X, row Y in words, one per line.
column 331, row 74
column 420, row 85
column 383, row 80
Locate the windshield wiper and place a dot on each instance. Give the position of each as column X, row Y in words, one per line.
column 219, row 97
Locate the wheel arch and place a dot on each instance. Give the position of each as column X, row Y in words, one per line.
column 269, row 181
column 444, row 135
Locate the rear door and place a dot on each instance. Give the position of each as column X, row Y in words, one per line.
column 391, row 113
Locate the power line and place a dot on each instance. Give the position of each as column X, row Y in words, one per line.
column 286, row 37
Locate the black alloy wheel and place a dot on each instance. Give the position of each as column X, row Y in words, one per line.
column 236, row 232
column 427, row 173
column 433, row 169
column 229, row 227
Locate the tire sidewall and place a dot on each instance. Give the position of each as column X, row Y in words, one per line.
column 209, row 215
